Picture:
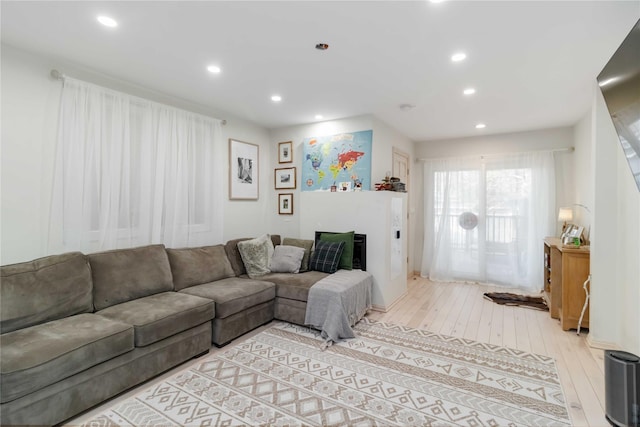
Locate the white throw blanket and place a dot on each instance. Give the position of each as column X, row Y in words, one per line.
column 338, row 302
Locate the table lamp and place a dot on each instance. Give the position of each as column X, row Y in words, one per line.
column 565, row 214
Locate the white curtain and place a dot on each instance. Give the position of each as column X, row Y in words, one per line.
column 132, row 172
column 485, row 218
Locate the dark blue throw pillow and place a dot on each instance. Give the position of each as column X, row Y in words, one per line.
column 326, row 257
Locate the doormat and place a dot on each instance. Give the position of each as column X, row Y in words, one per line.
column 504, row 298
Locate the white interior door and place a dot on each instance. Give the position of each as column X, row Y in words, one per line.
column 401, row 170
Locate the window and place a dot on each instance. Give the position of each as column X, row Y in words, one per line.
column 132, row 172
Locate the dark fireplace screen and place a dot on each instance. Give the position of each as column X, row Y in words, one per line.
column 359, row 249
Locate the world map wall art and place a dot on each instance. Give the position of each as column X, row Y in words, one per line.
column 339, row 162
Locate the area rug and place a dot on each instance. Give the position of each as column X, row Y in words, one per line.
column 505, row 298
column 388, row 375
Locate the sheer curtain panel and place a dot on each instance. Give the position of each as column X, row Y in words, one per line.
column 132, row 172
column 485, row 218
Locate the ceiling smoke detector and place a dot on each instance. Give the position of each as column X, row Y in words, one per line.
column 322, row 46
column 406, row 107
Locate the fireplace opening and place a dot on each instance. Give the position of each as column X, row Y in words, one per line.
column 359, row 249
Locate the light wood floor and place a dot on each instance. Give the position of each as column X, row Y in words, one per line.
column 458, row 309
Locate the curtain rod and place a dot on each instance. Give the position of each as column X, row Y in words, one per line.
column 482, row 156
column 60, row 76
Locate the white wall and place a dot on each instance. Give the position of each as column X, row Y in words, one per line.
column 289, row 225
column 583, row 190
column 615, row 248
column 30, row 105
column 384, row 139
column 545, row 139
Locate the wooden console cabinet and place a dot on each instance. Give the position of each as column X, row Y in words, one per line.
column 565, row 271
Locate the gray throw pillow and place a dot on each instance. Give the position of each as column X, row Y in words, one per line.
column 286, row 259
column 256, row 255
column 301, row 243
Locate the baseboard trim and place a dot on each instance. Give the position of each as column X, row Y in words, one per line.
column 603, row 345
column 384, row 309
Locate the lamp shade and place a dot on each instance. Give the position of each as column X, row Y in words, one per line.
column 565, row 214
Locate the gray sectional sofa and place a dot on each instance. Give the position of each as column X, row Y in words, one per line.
column 78, row 329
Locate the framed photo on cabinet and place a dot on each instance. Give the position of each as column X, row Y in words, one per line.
column 285, row 204
column 243, row 170
column 285, row 152
column 285, row 178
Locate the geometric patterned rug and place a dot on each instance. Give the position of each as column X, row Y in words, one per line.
column 388, row 375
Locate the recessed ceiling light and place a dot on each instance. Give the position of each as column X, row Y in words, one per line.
column 481, row 126
column 276, row 98
column 469, row 91
column 107, row 21
column 436, row 1
column 214, row 69
column 460, row 56
column 319, row 117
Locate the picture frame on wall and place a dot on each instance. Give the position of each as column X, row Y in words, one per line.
column 285, row 152
column 285, row 204
column 285, row 178
column 243, row 170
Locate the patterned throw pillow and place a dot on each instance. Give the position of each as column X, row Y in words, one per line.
column 301, row 243
column 326, row 257
column 256, row 255
column 346, row 260
column 286, row 259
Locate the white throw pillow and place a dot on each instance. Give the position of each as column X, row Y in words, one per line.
column 286, row 259
column 256, row 255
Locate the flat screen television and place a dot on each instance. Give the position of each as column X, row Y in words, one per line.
column 620, row 85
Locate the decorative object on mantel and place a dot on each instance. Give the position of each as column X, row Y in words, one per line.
column 333, row 160
column 243, row 170
column 390, row 184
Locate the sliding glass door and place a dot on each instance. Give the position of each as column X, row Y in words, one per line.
column 485, row 218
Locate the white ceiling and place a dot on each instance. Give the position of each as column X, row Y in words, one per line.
column 533, row 63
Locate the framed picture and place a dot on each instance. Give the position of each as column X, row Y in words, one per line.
column 243, row 170
column 285, row 204
column 285, row 178
column 576, row 231
column 285, row 152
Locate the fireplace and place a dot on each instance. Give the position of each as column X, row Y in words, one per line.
column 359, row 249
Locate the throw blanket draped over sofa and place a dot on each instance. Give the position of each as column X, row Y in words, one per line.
column 78, row 329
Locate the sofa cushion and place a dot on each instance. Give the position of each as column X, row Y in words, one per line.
column 35, row 357
column 294, row 286
column 45, row 289
column 326, row 257
column 231, row 248
column 286, row 259
column 346, row 259
column 126, row 274
column 195, row 266
column 159, row 316
column 234, row 294
column 307, row 245
column 256, row 255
